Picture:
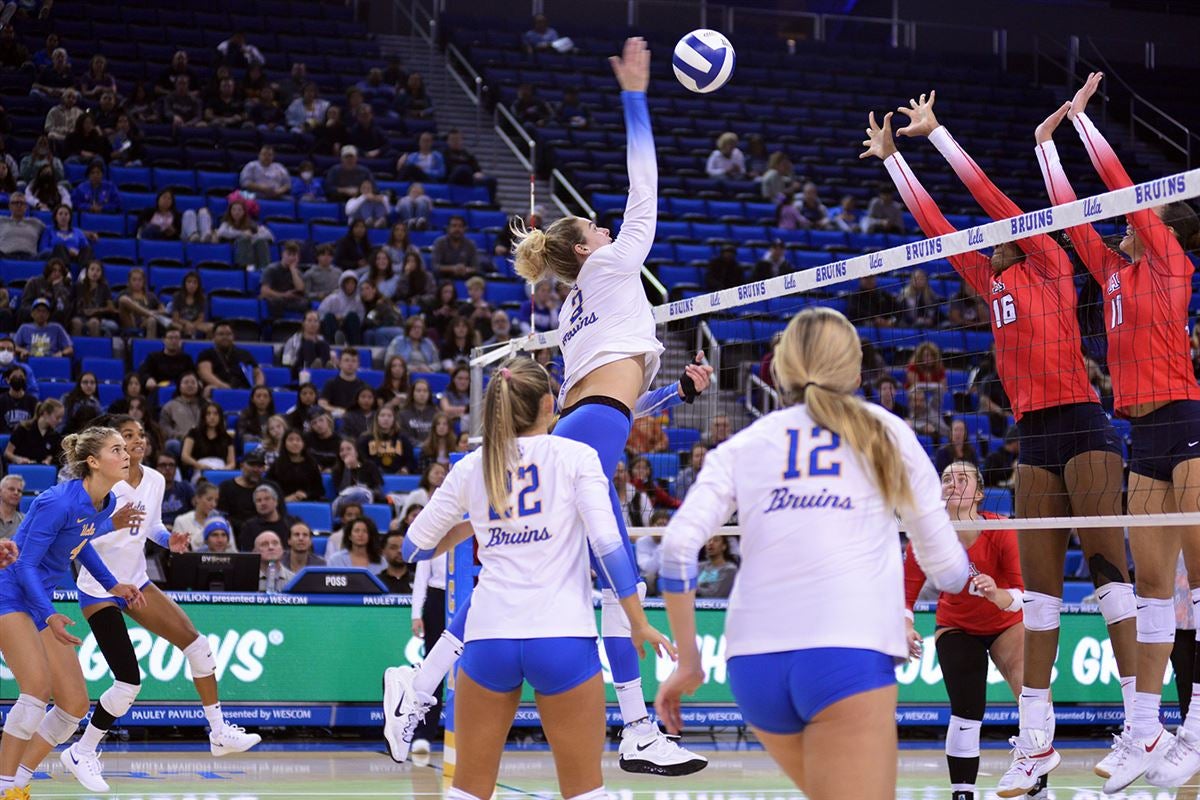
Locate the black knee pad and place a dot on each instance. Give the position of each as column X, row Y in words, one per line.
column 112, row 637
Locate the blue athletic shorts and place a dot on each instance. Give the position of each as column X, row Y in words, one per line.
column 86, row 600
column 12, row 599
column 1165, row 438
column 782, row 692
column 552, row 666
column 1050, row 437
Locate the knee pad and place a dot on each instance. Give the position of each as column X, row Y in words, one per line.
column 1116, row 602
column 1155, row 620
column 25, row 716
column 200, row 657
column 118, row 698
column 57, row 726
column 613, row 622
column 1042, row 611
column 962, row 737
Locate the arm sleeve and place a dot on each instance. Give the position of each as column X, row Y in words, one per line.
column 641, row 210
column 935, row 544
column 914, row 578
column 974, row 267
column 91, row 561
column 1155, row 236
column 420, row 588
column 45, row 521
column 156, row 531
column 1097, row 257
column 445, row 510
column 657, row 401
column 709, row 504
column 596, row 512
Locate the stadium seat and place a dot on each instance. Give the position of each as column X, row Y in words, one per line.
column 38, row 477
column 235, row 308
column 106, row 370
column 318, row 515
column 997, row 501
column 109, row 249
column 682, row 439
column 380, row 514
column 160, row 251
column 401, row 484
column 92, row 347
column 438, row 381
column 663, row 466
column 231, row 399
column 50, row 368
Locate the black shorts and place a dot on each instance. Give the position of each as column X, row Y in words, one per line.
column 1165, row 438
column 1053, row 436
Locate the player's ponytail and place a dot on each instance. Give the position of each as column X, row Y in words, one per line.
column 818, row 362
column 541, row 254
column 78, row 447
column 511, row 407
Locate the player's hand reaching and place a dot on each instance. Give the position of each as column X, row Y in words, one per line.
column 1080, row 100
column 916, row 642
column 127, row 517
column 8, row 552
column 671, row 691
column 696, row 378
column 180, row 543
column 130, row 594
column 647, row 634
column 632, row 67
column 921, row 121
column 879, row 141
column 1045, row 132
column 58, row 624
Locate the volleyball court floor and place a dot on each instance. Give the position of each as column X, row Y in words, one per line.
column 737, row 771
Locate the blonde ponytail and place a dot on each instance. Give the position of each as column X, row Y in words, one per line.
column 542, row 254
column 511, row 406
column 818, row 362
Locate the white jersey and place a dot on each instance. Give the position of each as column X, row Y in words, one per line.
column 607, row 317
column 124, row 550
column 819, row 548
column 536, row 581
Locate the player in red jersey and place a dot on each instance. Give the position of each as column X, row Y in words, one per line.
column 1070, row 459
column 1147, row 288
column 982, row 620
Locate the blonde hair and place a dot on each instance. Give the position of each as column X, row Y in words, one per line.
column 818, row 362
column 78, row 447
column 541, row 254
column 966, row 466
column 511, row 406
column 729, row 137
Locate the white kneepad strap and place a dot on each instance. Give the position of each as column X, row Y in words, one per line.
column 25, row 716
column 1155, row 620
column 118, row 698
column 58, row 726
column 200, row 657
column 962, row 737
column 613, row 622
column 1116, row 602
column 1042, row 611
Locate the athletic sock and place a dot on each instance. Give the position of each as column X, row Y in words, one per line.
column 1128, row 690
column 90, row 740
column 216, row 720
column 632, row 701
column 437, row 663
column 1145, row 716
column 1192, row 723
column 962, row 791
column 23, row 777
column 6, row 781
column 1034, row 708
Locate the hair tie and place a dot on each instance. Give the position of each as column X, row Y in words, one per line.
column 506, row 373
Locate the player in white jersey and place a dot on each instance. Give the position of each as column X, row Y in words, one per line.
column 124, row 553
column 817, row 487
column 536, row 502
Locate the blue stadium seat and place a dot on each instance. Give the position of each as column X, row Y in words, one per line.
column 997, row 501
column 682, row 438
column 38, row 477
column 107, row 249
column 231, row 399
column 106, row 370
column 160, row 250
column 217, row 476
column 144, row 347
column 506, row 292
column 216, row 181
column 380, row 514
column 308, row 211
column 663, row 466
column 401, row 484
column 277, row 377
column 327, row 485
column 50, row 368
column 166, row 277
column 277, row 208
column 198, row 253
column 91, row 347
column 130, row 176
column 235, row 308
column 263, row 353
column 284, row 399
column 174, row 178
column 219, row 279
column 112, row 224
column 978, row 426
column 731, row 330
column 320, row 544
column 438, row 381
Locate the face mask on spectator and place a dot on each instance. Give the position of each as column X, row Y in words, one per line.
column 6, row 356
column 17, row 384
column 306, row 175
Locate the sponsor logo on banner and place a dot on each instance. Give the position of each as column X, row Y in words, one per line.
column 831, row 272
column 1160, row 189
column 1027, row 223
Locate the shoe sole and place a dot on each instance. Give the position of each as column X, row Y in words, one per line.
column 66, row 762
column 393, row 746
column 225, row 750
column 1018, row 792
column 643, row 767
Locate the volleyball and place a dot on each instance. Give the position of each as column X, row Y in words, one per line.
column 703, row 61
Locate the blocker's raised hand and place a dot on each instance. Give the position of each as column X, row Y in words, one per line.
column 921, row 122
column 879, row 141
column 632, row 67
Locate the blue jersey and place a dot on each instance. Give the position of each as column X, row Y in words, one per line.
column 54, row 533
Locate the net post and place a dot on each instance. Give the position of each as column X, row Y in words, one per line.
column 475, row 413
column 460, row 582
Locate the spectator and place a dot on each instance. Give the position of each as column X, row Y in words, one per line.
column 414, row 209
column 969, row 310
column 756, row 157
column 416, row 419
column 635, row 505
column 414, row 101
column 55, row 78
column 11, row 488
column 252, row 420
column 181, row 108
column 208, row 445
column 237, row 53
column 41, row 337
column 416, row 284
column 445, row 308
column 717, row 572
column 787, row 215
column 179, row 66
column 321, row 279
column 226, row 366
column 847, row 218
column 106, row 113
column 385, row 445
column 647, row 436
column 306, row 113
column 396, row 575
column 812, row 209
column 294, row 84
column 37, row 440
column 295, row 471
column 204, row 505
column 53, row 286
column 925, row 419
column 189, row 308
column 265, row 113
column 360, row 547
column 95, row 194
column 719, row 430
column 131, row 389
column 345, row 180
column 871, row 305
column 138, row 308
column 365, row 135
column 572, row 112
column 888, row 389
column 357, row 420
column 39, row 156
column 268, row 516
column 541, row 309
column 457, row 343
column 456, row 399
column 19, row 234
column 8, row 181
column 640, row 474
column 271, row 442
column 165, row 222
column 883, row 213
column 125, row 142
column 306, row 186
column 687, row 475
column 501, row 328
column 381, row 274
column 926, row 375
column 65, row 241
column 370, row 206
column 306, row 348
column 774, row 262
column 541, row 36
column 354, row 249
column 727, row 161
column 999, row 468
column 306, row 403
column 375, row 89
column 342, row 313
column 13, row 54
column 97, row 80
column 984, row 383
column 164, row 368
column 93, row 307
column 462, row 168
column 251, row 240
column 918, row 304
column 454, row 255
column 530, row 109
column 82, row 403
column 424, row 164
column 419, row 352
column 8, row 355
column 299, row 552
column 957, row 449
column 141, row 106
column 44, row 193
column 216, row 536
column 354, row 477
column 393, row 391
column 184, row 412
column 441, row 442
column 61, row 119
column 265, row 177
column 282, row 283
column 272, row 574
column 723, row 271
column 321, row 439
column 235, row 496
column 331, row 137
column 341, row 391
column 86, row 142
column 17, row 404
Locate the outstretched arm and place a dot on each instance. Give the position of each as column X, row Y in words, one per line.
column 439, row 518
column 632, row 69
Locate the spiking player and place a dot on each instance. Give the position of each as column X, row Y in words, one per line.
column 1070, row 459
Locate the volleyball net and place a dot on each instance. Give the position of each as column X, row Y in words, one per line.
column 928, row 343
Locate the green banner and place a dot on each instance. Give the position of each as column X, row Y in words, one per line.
column 337, row 653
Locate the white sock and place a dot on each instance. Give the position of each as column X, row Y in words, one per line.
column 632, row 701
column 437, row 663
column 23, row 777
column 962, row 787
column 90, row 740
column 1128, row 690
column 216, row 720
column 1034, row 708
column 1146, row 724
column 1192, row 723
column 6, row 781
